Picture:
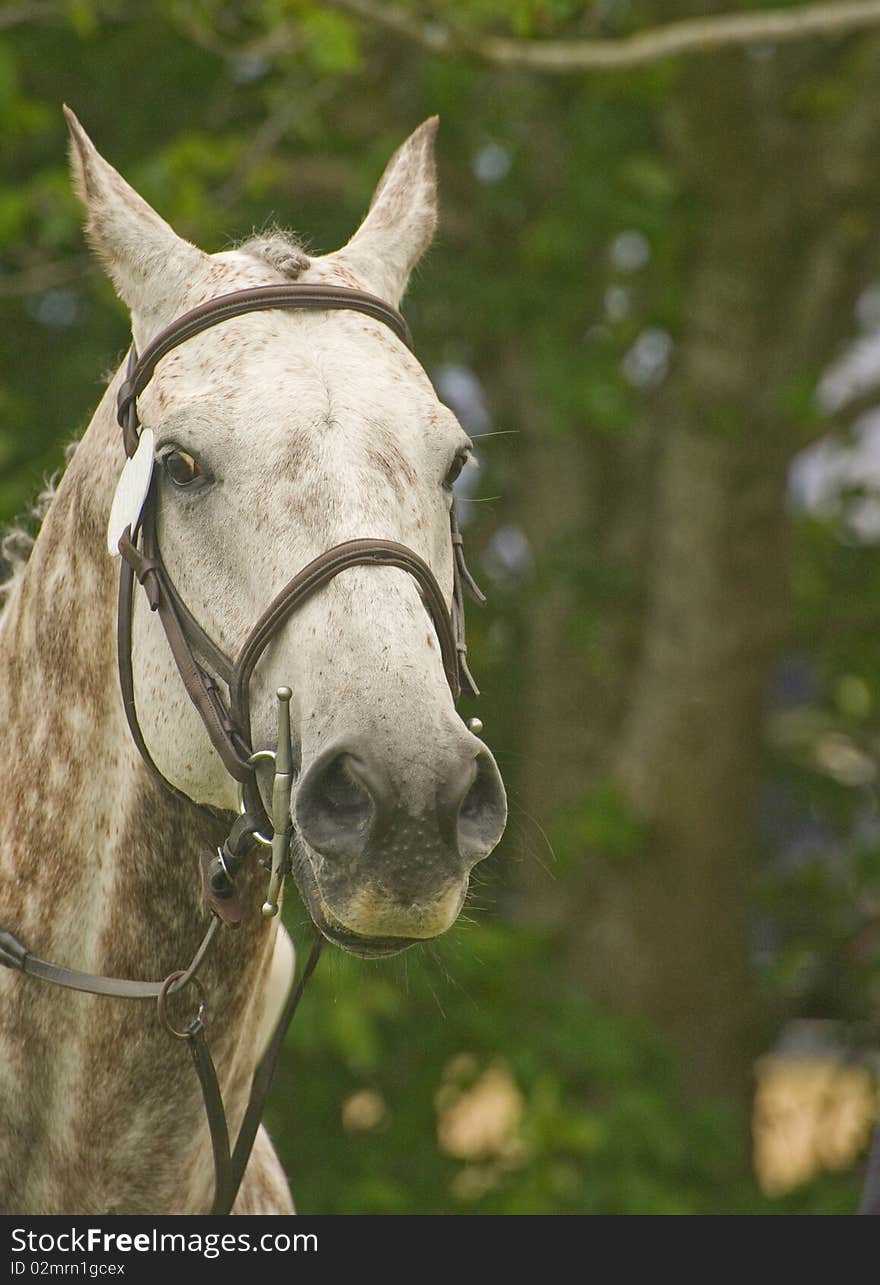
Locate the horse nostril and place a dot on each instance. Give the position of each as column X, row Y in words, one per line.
column 335, row 806
column 480, row 809
column 340, row 790
column 348, row 801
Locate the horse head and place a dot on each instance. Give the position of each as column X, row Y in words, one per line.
column 279, row 436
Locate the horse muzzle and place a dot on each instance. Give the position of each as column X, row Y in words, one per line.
column 382, row 864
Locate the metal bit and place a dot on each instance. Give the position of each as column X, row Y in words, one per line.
column 282, row 788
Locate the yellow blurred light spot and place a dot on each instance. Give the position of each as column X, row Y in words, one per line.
column 483, row 1120
column 810, row 1115
column 362, row 1111
column 473, row 1181
column 842, row 760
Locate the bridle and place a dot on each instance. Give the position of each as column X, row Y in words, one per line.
column 229, row 728
column 202, row 664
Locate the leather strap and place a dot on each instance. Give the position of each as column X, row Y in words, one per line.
column 229, row 1164
column 300, row 296
column 461, row 576
column 230, row 732
column 14, row 954
column 215, row 1112
column 319, row 572
column 199, row 686
column 203, row 646
column 260, row 1086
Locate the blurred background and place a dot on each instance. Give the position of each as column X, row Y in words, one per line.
column 655, row 304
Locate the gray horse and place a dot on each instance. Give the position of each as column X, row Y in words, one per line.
column 277, row 436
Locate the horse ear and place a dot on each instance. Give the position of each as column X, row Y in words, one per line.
column 400, row 223
column 147, row 261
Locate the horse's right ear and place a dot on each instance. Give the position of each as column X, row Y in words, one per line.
column 147, row 261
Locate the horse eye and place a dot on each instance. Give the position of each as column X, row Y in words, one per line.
column 181, row 467
column 455, row 469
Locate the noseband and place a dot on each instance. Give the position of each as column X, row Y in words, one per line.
column 201, row 663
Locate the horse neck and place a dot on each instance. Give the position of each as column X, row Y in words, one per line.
column 99, row 864
column 78, row 797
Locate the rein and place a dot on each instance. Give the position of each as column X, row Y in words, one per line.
column 229, row 1163
column 201, row 664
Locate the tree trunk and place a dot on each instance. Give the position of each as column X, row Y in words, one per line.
column 679, row 728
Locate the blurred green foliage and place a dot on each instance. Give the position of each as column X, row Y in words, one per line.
column 228, row 116
column 606, row 1126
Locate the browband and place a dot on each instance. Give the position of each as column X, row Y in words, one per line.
column 294, row 295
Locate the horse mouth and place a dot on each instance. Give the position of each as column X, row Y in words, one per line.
column 363, row 947
column 333, row 929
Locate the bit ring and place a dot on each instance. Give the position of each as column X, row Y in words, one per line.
column 255, row 758
column 161, row 1001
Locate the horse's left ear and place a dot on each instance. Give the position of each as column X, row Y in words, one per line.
column 401, row 220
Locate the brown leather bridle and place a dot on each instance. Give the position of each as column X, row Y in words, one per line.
column 201, row 663
column 229, row 728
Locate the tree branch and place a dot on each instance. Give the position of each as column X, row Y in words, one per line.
column 565, row 57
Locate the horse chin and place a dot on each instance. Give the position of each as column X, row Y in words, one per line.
column 340, row 934
column 363, row 947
